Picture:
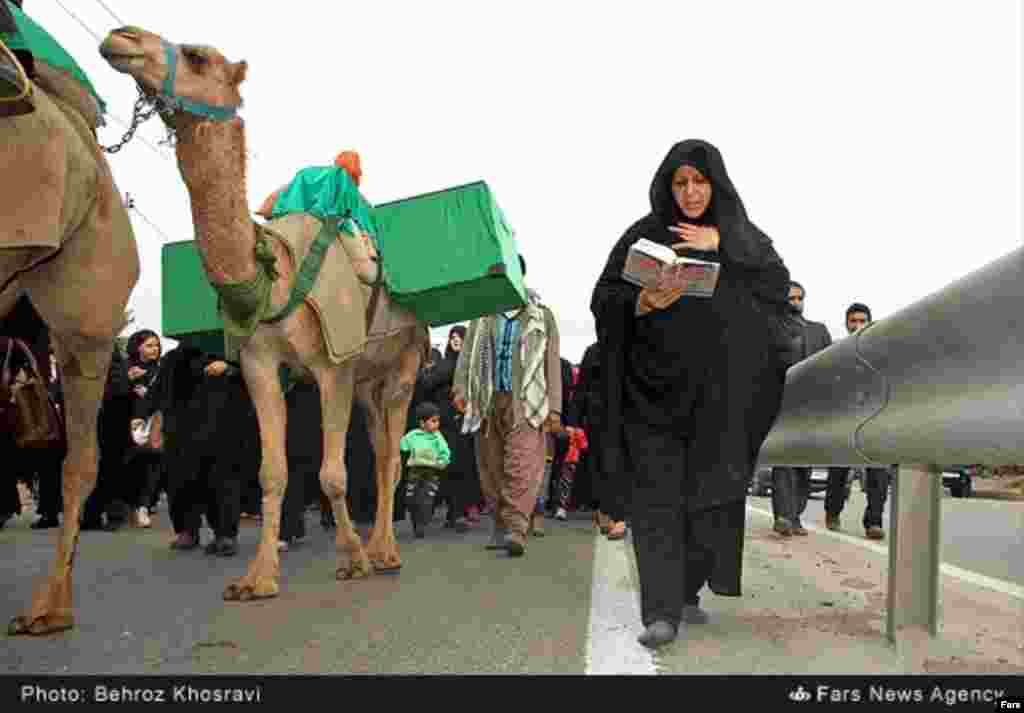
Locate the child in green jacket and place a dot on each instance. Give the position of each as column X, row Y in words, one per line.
column 425, row 455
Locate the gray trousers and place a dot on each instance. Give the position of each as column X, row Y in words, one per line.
column 791, row 488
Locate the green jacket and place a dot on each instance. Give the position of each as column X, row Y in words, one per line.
column 426, row 450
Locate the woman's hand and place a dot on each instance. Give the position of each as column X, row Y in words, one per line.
column 137, row 423
column 553, row 423
column 136, row 372
column 696, row 237
column 216, row 368
column 652, row 299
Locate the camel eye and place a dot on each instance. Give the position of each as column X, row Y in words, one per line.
column 194, row 57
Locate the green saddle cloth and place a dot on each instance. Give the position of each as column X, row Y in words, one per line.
column 326, row 192
column 40, row 43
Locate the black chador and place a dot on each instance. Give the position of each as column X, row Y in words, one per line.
column 690, row 393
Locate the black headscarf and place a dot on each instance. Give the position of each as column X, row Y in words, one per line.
column 696, row 344
column 450, row 353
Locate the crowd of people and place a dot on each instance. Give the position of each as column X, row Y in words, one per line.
column 657, row 429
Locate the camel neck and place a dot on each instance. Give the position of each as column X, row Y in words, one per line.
column 211, row 158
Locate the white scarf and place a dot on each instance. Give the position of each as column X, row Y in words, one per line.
column 480, row 374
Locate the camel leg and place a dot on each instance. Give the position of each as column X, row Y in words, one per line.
column 52, row 609
column 261, row 379
column 336, row 388
column 391, row 404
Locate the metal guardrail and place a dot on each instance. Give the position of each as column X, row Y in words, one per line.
column 939, row 382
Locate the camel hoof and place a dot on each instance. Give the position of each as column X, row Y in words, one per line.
column 247, row 593
column 344, row 574
column 25, row 626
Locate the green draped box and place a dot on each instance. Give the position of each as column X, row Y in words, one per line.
column 189, row 303
column 450, row 256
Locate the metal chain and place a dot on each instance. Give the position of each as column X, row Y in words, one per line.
column 145, row 108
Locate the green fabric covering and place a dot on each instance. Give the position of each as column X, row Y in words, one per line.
column 43, row 46
column 309, row 271
column 243, row 304
column 326, row 192
column 450, row 256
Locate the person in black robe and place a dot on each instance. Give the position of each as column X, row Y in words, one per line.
column 692, row 387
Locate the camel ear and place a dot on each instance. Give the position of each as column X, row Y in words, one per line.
column 239, row 71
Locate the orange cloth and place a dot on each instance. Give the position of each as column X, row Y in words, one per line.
column 577, row 444
column 349, row 160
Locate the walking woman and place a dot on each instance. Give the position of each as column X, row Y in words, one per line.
column 692, row 387
column 143, row 350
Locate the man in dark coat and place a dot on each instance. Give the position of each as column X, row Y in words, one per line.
column 692, row 386
column 876, row 480
column 791, row 487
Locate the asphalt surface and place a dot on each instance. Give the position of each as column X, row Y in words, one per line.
column 457, row 608
column 983, row 536
column 454, row 607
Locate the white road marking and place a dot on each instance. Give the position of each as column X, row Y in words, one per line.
column 612, row 648
column 997, row 585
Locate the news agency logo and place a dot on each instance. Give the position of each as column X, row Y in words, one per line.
column 800, row 695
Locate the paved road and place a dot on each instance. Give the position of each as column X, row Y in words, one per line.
column 983, row 536
column 144, row 609
column 455, row 608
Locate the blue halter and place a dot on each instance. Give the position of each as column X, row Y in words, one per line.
column 193, row 107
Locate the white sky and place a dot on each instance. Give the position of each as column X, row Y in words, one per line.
column 877, row 142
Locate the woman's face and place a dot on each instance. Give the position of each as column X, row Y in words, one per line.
column 692, row 191
column 150, row 350
column 456, row 342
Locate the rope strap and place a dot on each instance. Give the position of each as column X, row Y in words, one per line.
column 308, row 273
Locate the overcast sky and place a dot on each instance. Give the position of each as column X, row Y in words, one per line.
column 876, row 141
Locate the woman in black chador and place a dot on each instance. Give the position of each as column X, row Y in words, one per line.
column 692, row 387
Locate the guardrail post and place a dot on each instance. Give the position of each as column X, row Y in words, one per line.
column 916, row 510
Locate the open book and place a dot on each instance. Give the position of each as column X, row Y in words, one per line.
column 653, row 265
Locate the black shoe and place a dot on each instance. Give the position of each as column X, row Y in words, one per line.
column 693, row 614
column 222, row 547
column 45, row 523
column 657, row 634
column 91, row 525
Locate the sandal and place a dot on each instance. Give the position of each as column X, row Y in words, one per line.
column 617, row 531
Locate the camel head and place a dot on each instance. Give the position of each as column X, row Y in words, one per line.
column 196, row 79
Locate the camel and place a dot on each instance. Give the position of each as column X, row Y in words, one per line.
column 211, row 158
column 65, row 241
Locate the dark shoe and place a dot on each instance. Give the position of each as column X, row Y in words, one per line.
column 223, row 547
column 657, row 634
column 515, row 544
column 186, row 541
column 327, row 521
column 497, row 541
column 783, row 528
column 91, row 525
column 45, row 523
column 462, row 525
column 798, row 529
column 693, row 614
column 875, row 533
column 114, row 525
column 832, row 522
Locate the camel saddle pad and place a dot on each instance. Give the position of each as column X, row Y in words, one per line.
column 338, row 297
column 49, row 179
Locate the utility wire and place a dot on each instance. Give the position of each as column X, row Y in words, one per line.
column 118, row 20
column 130, row 205
column 79, row 21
